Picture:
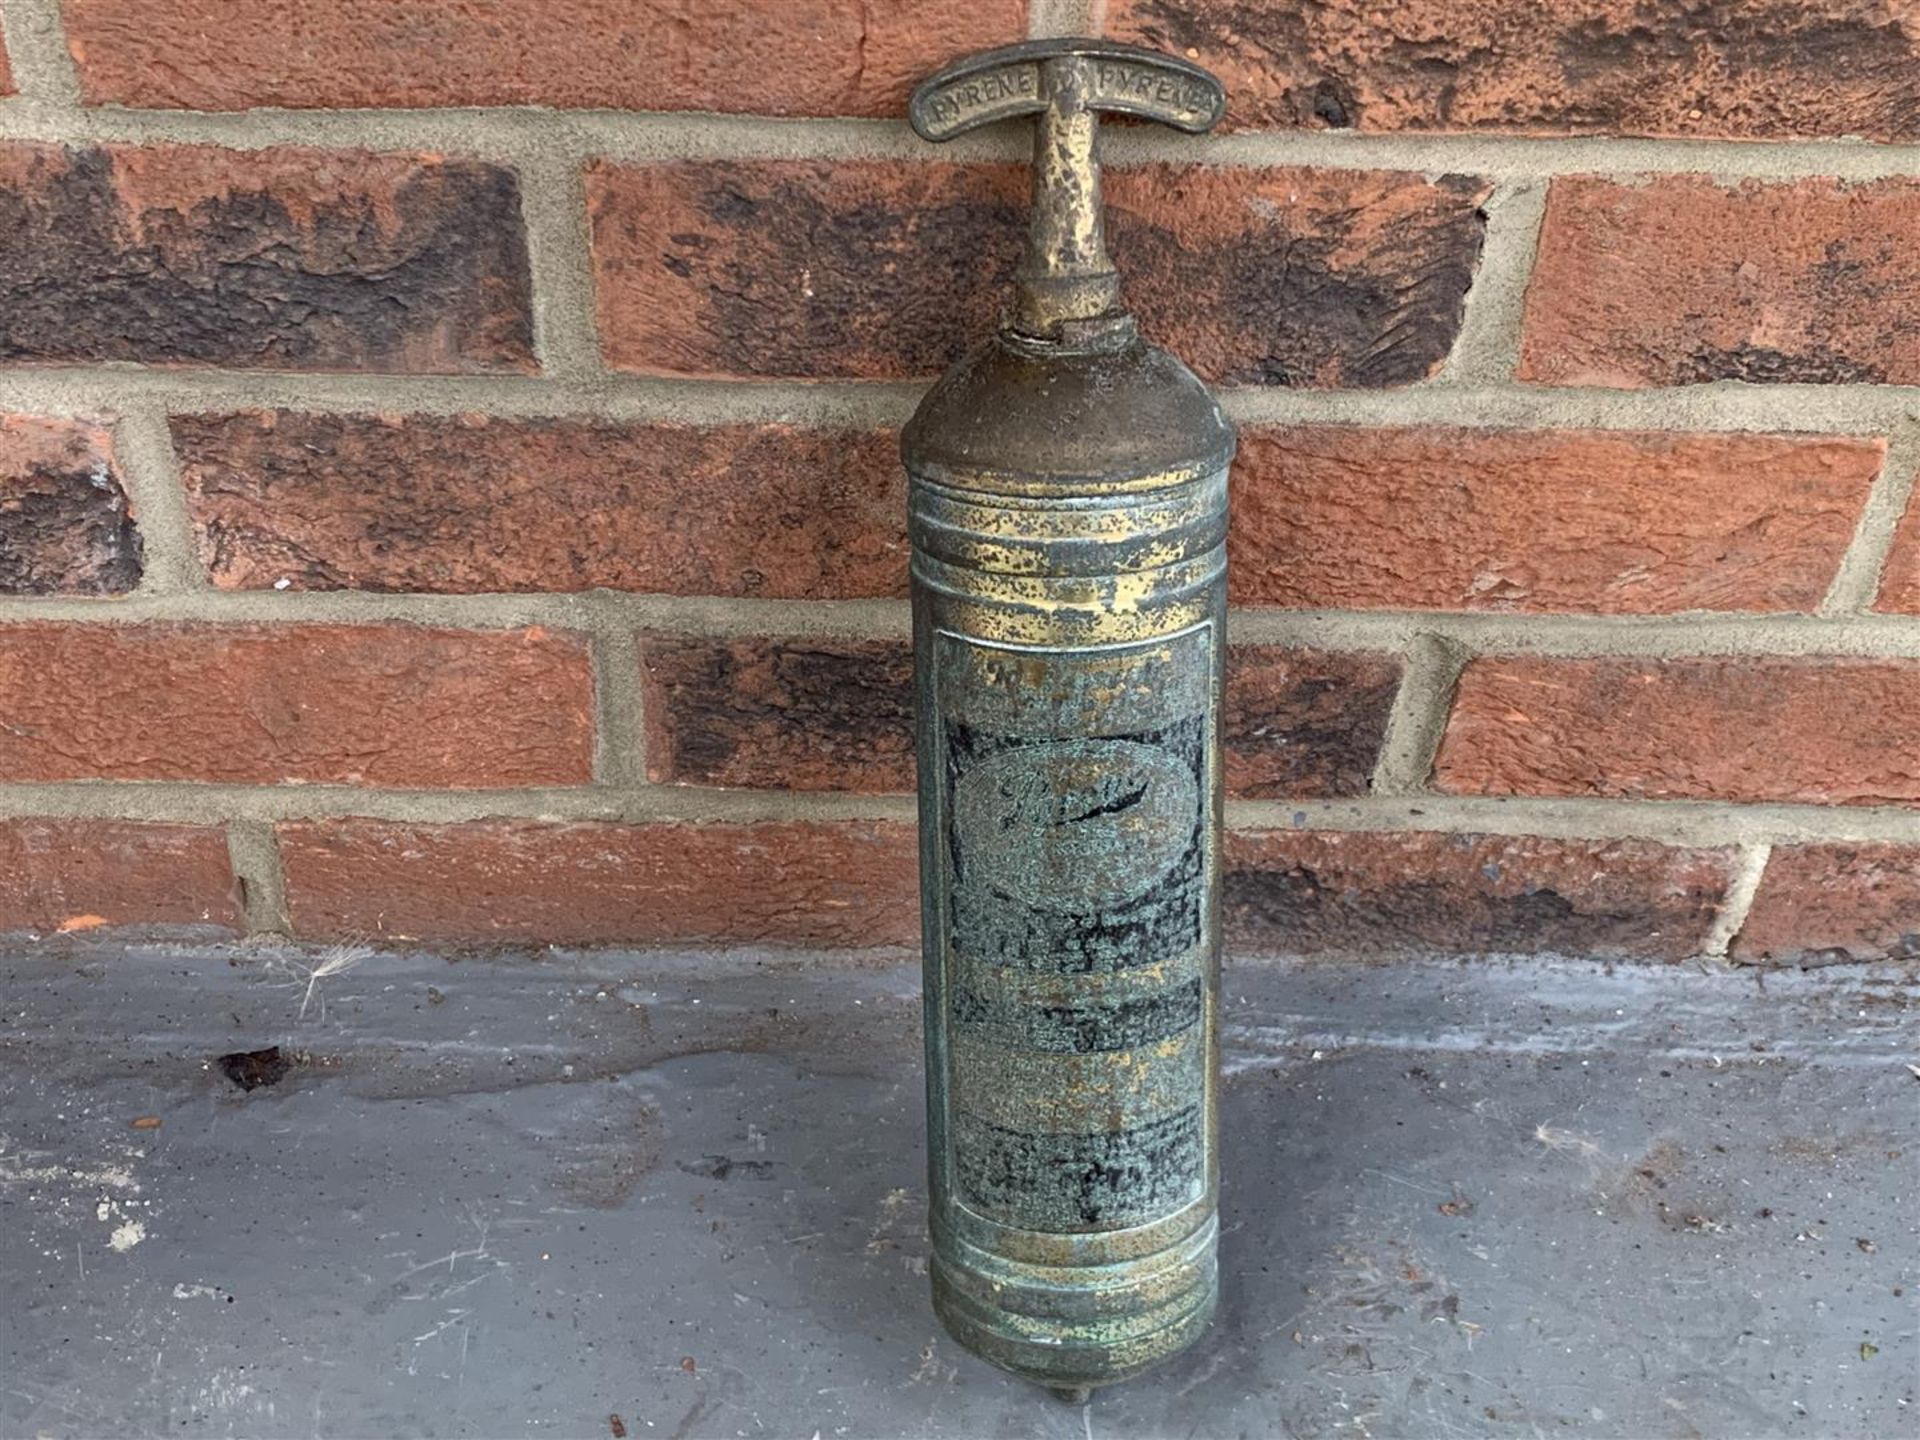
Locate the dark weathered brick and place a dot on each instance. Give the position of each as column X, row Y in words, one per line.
column 1304, row 723
column 1612, row 522
column 1373, row 895
column 1822, row 731
column 833, row 886
column 271, row 259
column 1681, row 280
column 778, row 57
column 785, row 714
column 817, row 714
column 65, row 527
column 1823, row 903
column 378, row 705
column 765, row 268
column 881, row 269
column 284, row 500
column 1740, row 69
column 79, row 875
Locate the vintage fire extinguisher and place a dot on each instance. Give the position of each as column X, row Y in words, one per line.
column 1068, row 498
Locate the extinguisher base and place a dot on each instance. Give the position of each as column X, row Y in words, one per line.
column 1069, row 1365
column 1072, row 1328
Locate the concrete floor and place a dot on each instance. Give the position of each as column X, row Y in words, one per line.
column 682, row 1197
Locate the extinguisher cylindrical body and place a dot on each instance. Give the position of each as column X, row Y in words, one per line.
column 1068, row 519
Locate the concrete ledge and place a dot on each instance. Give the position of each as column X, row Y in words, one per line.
column 687, row 1191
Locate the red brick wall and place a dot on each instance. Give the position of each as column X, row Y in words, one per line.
column 447, row 476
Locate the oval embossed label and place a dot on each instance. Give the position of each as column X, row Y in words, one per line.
column 1075, row 823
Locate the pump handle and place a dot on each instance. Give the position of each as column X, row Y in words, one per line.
column 1000, row 84
column 1066, row 290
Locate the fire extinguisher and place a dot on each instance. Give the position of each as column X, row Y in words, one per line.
column 1068, row 513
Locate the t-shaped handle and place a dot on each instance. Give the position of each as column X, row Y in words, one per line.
column 1066, row 279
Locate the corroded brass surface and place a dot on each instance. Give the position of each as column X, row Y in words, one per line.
column 1068, row 516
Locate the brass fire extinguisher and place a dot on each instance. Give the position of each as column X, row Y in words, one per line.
column 1068, row 503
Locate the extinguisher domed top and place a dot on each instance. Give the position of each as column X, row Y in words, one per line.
column 1017, row 418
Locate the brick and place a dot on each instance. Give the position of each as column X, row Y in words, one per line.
column 780, row 714
column 468, row 503
column 794, row 713
column 1377, row 895
column 1822, row 731
column 65, row 525
column 1900, row 585
column 877, row 269
column 850, row 885
column 1610, row 522
column 80, row 875
column 792, row 57
column 1737, row 69
column 276, row 259
column 1302, row 724
column 375, row 705
column 1823, row 903
column 1681, row 280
